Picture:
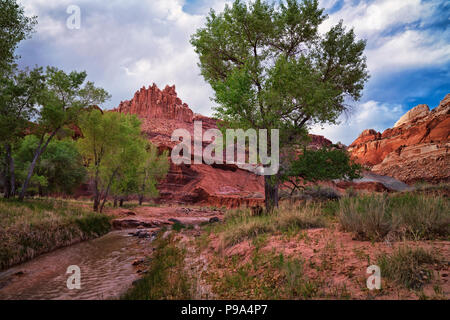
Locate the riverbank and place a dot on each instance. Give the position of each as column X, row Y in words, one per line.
column 309, row 250
column 36, row 226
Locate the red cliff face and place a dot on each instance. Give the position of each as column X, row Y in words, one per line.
column 417, row 148
column 219, row 185
column 161, row 113
column 153, row 103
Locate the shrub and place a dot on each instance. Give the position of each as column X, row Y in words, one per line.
column 407, row 266
column 365, row 216
column 408, row 216
column 240, row 224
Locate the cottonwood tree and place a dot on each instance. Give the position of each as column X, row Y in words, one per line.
column 64, row 96
column 59, row 169
column 14, row 27
column 325, row 164
column 141, row 175
column 18, row 97
column 111, row 143
column 14, row 87
column 270, row 68
column 151, row 171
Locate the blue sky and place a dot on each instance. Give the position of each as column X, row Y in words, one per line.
column 125, row 45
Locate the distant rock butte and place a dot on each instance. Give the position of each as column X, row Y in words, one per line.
column 416, row 149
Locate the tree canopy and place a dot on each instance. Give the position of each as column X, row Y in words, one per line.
column 15, row 26
column 270, row 68
column 321, row 165
column 60, row 168
column 119, row 160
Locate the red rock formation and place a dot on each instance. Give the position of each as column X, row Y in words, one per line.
column 154, row 103
column 218, row 185
column 417, row 148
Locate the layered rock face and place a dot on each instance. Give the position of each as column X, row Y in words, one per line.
column 416, row 149
column 154, row 103
column 162, row 112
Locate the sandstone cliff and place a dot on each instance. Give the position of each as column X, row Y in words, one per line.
column 161, row 112
column 416, row 149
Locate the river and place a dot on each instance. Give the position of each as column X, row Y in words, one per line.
column 105, row 264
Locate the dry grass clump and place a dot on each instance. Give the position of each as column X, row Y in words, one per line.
column 240, row 224
column 405, row 216
column 407, row 266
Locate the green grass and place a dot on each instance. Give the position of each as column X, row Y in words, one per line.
column 405, row 216
column 34, row 227
column 240, row 225
column 267, row 276
column 166, row 278
column 407, row 266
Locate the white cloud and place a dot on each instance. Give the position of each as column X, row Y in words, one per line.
column 124, row 45
column 388, row 48
column 409, row 49
column 368, row 115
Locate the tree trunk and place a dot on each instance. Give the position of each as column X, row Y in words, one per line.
column 115, row 202
column 107, row 189
column 40, row 149
column 141, row 199
column 6, row 185
column 40, row 191
column 121, row 202
column 29, row 175
column 96, row 201
column 271, row 193
column 12, row 175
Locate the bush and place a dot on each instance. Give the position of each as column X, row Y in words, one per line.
column 408, row 216
column 407, row 266
column 240, row 224
column 366, row 217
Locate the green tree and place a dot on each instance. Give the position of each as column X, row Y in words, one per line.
column 270, row 68
column 63, row 97
column 141, row 175
column 151, row 171
column 14, row 27
column 59, row 169
column 18, row 97
column 111, row 144
column 321, row 165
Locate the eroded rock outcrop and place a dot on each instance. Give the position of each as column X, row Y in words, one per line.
column 155, row 103
column 224, row 185
column 416, row 149
column 161, row 113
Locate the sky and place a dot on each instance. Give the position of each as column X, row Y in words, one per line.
column 127, row 44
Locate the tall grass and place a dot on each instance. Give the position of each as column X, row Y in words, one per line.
column 407, row 216
column 166, row 278
column 240, row 224
column 28, row 229
column 407, row 266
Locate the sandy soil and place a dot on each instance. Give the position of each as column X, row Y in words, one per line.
column 334, row 257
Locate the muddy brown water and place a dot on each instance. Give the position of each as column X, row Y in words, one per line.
column 105, row 264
